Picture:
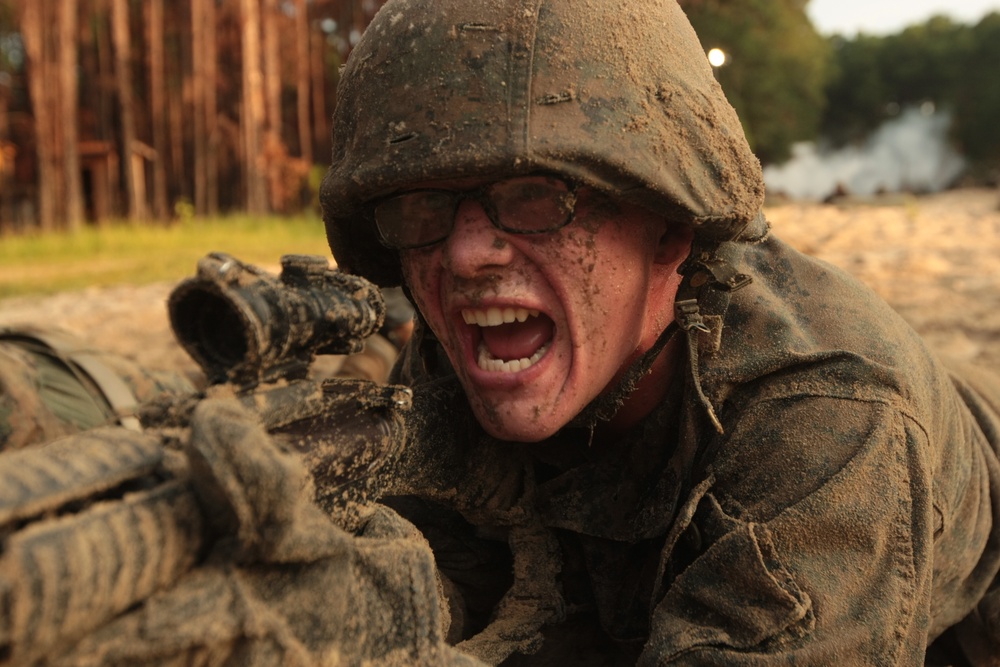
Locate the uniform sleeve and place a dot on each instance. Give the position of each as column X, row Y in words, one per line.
column 809, row 544
column 281, row 584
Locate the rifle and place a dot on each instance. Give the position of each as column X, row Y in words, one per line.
column 244, row 326
column 94, row 523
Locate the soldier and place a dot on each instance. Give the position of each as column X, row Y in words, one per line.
column 53, row 384
column 645, row 430
column 669, row 437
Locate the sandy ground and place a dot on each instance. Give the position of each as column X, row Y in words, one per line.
column 935, row 258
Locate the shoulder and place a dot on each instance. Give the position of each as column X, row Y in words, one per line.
column 779, row 451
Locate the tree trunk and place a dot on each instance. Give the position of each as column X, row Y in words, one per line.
column 273, row 140
column 211, row 88
column 198, row 30
column 123, row 78
column 302, row 82
column 33, row 39
column 69, row 95
column 175, row 120
column 157, row 108
column 106, row 75
column 253, row 110
column 8, row 154
column 272, row 66
column 318, row 68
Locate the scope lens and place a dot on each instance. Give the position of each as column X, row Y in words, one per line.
column 210, row 326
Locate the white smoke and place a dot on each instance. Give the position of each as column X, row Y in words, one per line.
column 909, row 153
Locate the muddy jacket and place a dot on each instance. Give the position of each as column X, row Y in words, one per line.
column 841, row 517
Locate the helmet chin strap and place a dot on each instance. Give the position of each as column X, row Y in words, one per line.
column 607, row 405
column 707, row 279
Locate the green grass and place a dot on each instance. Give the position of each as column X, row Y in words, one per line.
column 121, row 253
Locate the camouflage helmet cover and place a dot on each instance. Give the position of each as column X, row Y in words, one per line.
column 616, row 94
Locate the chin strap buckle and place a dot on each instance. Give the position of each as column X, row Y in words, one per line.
column 689, row 316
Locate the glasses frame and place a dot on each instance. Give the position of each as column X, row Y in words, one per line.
column 481, row 196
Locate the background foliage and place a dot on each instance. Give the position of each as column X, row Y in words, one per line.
column 775, row 70
column 790, row 84
column 950, row 66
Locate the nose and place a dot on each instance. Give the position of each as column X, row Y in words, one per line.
column 474, row 243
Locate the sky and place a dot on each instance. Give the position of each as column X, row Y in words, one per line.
column 883, row 17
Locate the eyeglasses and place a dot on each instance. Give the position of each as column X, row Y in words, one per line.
column 524, row 205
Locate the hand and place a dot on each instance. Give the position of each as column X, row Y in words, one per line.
column 283, row 585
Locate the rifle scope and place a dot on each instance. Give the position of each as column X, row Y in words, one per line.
column 244, row 325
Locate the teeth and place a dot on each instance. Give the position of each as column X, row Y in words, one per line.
column 488, row 362
column 494, row 317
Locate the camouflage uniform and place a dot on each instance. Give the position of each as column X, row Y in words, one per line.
column 842, row 517
column 816, row 488
column 52, row 384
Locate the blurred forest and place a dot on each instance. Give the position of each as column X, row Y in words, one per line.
column 154, row 109
column 151, row 109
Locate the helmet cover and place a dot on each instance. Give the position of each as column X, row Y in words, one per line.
column 615, row 94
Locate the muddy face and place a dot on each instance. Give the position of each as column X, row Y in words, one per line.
column 537, row 326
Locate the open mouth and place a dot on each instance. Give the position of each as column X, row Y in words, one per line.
column 510, row 339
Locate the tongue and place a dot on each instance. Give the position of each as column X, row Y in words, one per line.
column 517, row 340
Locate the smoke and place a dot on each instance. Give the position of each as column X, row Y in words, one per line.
column 909, row 153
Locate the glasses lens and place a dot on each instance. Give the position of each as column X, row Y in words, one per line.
column 415, row 219
column 532, row 205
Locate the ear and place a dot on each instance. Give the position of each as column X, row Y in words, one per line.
column 674, row 245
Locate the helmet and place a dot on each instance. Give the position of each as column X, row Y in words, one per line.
column 615, row 94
